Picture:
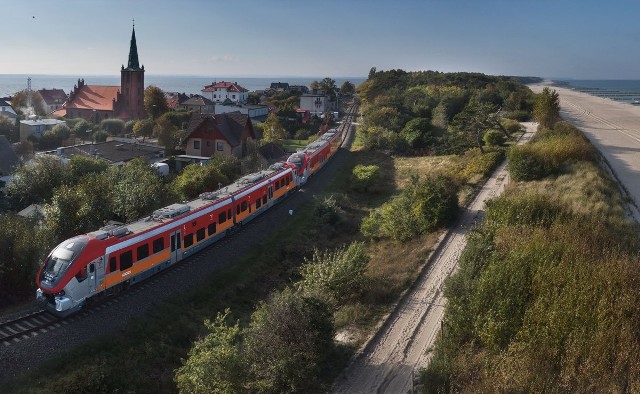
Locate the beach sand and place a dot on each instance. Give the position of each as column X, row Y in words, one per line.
column 614, row 129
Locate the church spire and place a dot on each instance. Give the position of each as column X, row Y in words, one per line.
column 133, row 52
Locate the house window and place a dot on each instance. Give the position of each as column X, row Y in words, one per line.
column 196, row 144
column 219, row 146
column 233, row 96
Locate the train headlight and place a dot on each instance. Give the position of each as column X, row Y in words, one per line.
column 39, row 295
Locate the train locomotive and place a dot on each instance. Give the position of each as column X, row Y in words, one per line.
column 110, row 259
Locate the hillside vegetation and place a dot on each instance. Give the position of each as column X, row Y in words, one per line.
column 546, row 297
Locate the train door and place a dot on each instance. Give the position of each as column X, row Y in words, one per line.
column 176, row 247
column 270, row 191
column 96, row 274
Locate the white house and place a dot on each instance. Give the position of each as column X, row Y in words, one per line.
column 316, row 103
column 221, row 91
column 36, row 127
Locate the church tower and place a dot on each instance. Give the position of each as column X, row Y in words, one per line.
column 132, row 83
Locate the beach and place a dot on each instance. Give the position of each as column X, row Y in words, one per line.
column 612, row 127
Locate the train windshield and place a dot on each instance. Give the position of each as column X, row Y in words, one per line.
column 62, row 257
column 296, row 159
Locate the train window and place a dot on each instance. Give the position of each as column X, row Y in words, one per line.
column 243, row 206
column 238, row 209
column 212, row 229
column 277, row 185
column 229, row 213
column 200, row 234
column 82, row 274
column 143, row 252
column 287, row 180
column 222, row 217
column 188, row 240
column 264, row 199
column 158, row 245
column 112, row 264
column 126, row 260
column 258, row 203
column 92, row 269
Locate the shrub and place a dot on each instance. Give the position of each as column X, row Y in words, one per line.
column 522, row 209
column 481, row 164
column 327, row 211
column 112, row 126
column 364, row 177
column 301, row 134
column 494, row 138
column 100, row 136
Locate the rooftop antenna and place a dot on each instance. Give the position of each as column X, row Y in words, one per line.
column 28, row 92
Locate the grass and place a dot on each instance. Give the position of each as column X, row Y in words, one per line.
column 143, row 356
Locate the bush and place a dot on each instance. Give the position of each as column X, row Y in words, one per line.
column 327, row 211
column 364, row 177
column 100, row 136
column 335, row 277
column 494, row 138
column 301, row 134
column 112, row 126
column 481, row 164
column 420, row 208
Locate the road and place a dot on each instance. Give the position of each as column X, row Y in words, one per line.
column 386, row 364
column 612, row 127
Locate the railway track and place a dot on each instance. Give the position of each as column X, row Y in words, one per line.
column 26, row 326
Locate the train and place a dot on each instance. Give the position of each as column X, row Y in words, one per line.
column 114, row 257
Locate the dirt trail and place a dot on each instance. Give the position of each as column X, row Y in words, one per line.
column 386, row 364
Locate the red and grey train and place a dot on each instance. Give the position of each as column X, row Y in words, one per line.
column 112, row 258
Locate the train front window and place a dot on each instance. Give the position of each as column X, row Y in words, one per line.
column 62, row 257
column 296, row 159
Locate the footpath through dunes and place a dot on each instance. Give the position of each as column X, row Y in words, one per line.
column 612, row 127
column 388, row 362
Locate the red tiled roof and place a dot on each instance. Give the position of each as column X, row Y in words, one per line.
column 94, row 97
column 62, row 112
column 229, row 86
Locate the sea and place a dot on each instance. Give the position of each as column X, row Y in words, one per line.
column 623, row 90
column 12, row 83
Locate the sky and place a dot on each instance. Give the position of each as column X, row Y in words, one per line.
column 571, row 39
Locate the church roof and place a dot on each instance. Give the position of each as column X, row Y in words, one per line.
column 133, row 64
column 94, row 97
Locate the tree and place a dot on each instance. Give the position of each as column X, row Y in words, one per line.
column 364, row 177
column 112, row 126
column 328, row 85
column 128, row 127
column 476, row 118
column 36, row 181
column 418, row 133
column 335, row 276
column 287, row 343
column 143, row 128
column 19, row 101
column 79, row 166
column 347, row 88
column 314, row 85
column 196, row 179
column 273, row 130
column 82, row 129
column 137, row 189
column 100, row 136
column 167, row 134
column 546, row 108
column 215, row 362
column 8, row 129
column 154, row 102
column 61, row 131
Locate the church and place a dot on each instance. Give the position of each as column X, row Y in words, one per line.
column 96, row 103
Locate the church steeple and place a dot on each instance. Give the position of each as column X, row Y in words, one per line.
column 133, row 64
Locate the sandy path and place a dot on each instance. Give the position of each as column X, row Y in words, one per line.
column 400, row 348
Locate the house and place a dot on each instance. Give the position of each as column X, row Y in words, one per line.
column 174, row 99
column 53, row 99
column 257, row 112
column 7, row 110
column 117, row 151
column 96, row 103
column 220, row 91
column 220, row 134
column 36, row 127
column 316, row 103
column 198, row 104
column 280, row 86
column 8, row 158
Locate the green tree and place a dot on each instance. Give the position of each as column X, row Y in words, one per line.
column 36, row 181
column 128, row 127
column 215, row 362
column 328, row 85
column 19, row 102
column 546, row 108
column 100, row 136
column 229, row 166
column 287, row 343
column 112, row 126
column 168, row 135
column 418, row 133
column 335, row 276
column 273, row 130
column 83, row 130
column 196, row 179
column 155, row 103
column 9, row 129
column 347, row 88
column 61, row 131
column 137, row 189
column 364, row 177
column 143, row 128
column 476, row 118
column 79, row 166
column 314, row 85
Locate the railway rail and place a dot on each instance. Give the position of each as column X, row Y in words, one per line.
column 26, row 326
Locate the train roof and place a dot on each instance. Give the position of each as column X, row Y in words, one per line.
column 167, row 214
